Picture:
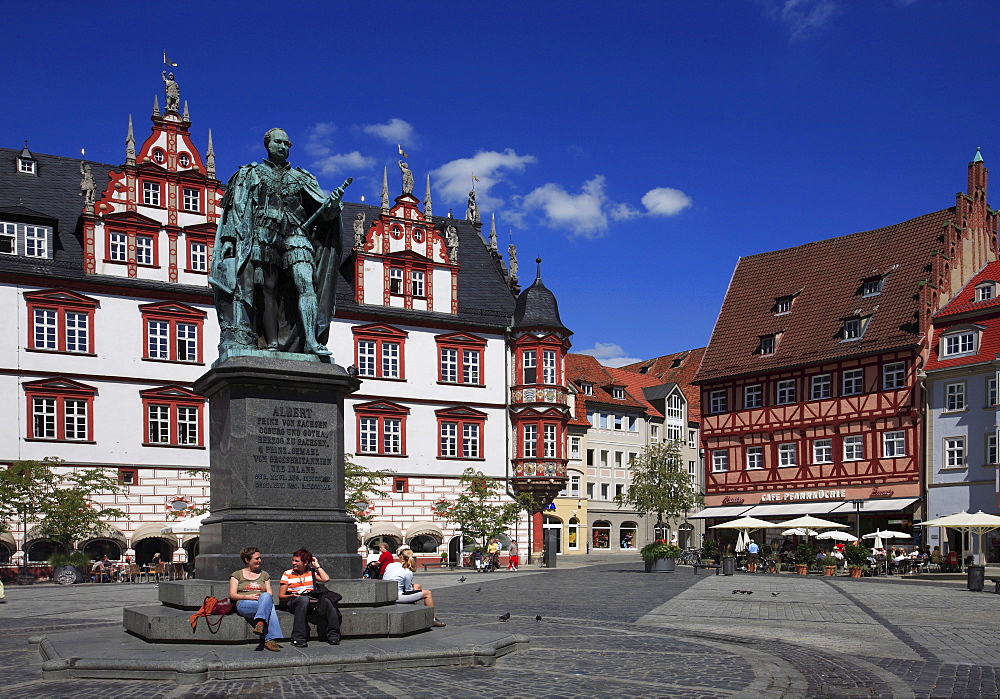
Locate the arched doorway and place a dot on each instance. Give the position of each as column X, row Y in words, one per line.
column 573, row 534
column 6, row 552
column 685, row 534
column 41, row 551
column 145, row 549
column 459, row 545
column 626, row 535
column 98, row 548
column 601, row 535
column 555, row 524
column 661, row 532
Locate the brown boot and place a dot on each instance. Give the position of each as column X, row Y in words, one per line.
column 259, row 628
column 272, row 645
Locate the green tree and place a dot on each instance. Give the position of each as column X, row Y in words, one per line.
column 660, row 483
column 361, row 486
column 61, row 504
column 480, row 511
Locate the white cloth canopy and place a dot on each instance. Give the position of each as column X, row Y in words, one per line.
column 742, row 541
column 978, row 523
column 748, row 523
column 885, row 535
column 810, row 522
column 836, row 536
column 799, row 532
column 191, row 525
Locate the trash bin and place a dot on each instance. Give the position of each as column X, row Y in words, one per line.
column 976, row 575
column 729, row 565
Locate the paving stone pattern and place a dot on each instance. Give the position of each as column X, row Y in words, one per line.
column 608, row 629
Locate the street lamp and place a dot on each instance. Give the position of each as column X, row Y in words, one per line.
column 858, row 504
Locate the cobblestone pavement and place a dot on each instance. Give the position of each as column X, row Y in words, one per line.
column 608, row 629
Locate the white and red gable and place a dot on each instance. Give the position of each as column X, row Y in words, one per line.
column 405, row 262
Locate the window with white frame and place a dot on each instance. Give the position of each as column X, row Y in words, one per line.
column 959, row 343
column 199, row 256
column 954, row 396
column 36, row 241
column 192, row 199
column 60, row 410
column 673, row 433
column 872, row 286
column 619, row 455
column 549, row 367
column 395, row 280
column 893, row 444
column 587, row 388
column 854, row 447
column 379, row 352
column 151, row 193
column 822, row 451
column 144, row 250
column 768, row 344
column 26, row 166
column 782, row 305
column 985, row 291
column 853, row 329
column 619, row 420
column 529, row 366
column 24, row 239
column 720, row 460
column 633, row 423
column 692, row 438
column 717, row 401
column 60, row 321
column 991, row 392
column 692, row 468
column 753, row 396
column 820, row 387
column 954, row 452
column 549, row 441
column 172, row 332
column 991, row 448
column 788, row 454
column 574, row 447
column 529, row 436
column 574, row 485
column 381, row 428
column 117, row 247
column 605, row 491
column 417, row 283
column 654, row 433
column 8, row 238
column 893, row 375
column 755, row 458
column 785, row 392
column 618, row 393
column 675, row 406
column 853, row 382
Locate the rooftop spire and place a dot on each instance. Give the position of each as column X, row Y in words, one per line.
column 187, row 115
column 538, row 269
column 130, row 144
column 210, row 156
column 979, row 156
column 385, row 190
column 156, row 105
column 493, row 232
column 427, row 199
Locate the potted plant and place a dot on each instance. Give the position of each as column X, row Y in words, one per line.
column 69, row 568
column 857, row 559
column 444, row 557
column 805, row 554
column 829, row 564
column 660, row 557
column 710, row 551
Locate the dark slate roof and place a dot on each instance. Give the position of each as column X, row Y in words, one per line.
column 53, row 192
column 537, row 308
column 825, row 278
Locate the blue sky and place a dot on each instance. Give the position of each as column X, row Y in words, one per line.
column 639, row 148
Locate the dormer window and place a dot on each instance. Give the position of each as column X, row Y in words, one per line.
column 853, row 329
column 618, row 393
column 768, row 344
column 959, row 343
column 783, row 305
column 27, row 166
column 872, row 286
column 677, row 362
column 985, row 291
column 587, row 388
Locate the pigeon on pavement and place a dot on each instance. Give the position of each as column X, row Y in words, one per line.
column 775, row 594
column 462, row 579
column 538, row 617
column 479, row 589
column 505, row 617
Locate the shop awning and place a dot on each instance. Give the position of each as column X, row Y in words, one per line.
column 869, row 506
column 717, row 512
column 794, row 508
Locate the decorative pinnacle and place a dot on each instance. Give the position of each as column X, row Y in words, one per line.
column 493, row 231
column 538, row 272
column 130, row 144
column 156, row 106
column 979, row 156
column 187, row 116
column 427, row 199
column 385, row 190
column 210, row 157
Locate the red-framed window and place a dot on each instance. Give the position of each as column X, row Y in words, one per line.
column 172, row 417
column 198, row 249
column 400, row 484
column 172, row 332
column 380, row 352
column 128, row 476
column 60, row 321
column 539, row 438
column 60, row 410
column 408, row 278
column 460, row 359
column 460, row 433
column 115, row 245
column 147, row 249
column 381, row 428
column 540, row 365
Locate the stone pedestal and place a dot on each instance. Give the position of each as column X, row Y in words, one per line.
column 277, row 465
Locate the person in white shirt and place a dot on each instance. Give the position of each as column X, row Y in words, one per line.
column 401, row 572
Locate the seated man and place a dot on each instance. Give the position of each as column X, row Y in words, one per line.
column 299, row 594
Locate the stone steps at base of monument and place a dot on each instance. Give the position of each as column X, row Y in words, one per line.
column 190, row 594
column 160, row 624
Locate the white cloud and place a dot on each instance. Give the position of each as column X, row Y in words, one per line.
column 319, row 139
column 453, row 180
column 344, row 162
column 624, row 212
column 610, row 354
column 665, row 201
column 395, row 131
column 583, row 214
column 802, row 17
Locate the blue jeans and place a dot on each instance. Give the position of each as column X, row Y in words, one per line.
column 262, row 608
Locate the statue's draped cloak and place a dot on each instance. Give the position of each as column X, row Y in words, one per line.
column 238, row 299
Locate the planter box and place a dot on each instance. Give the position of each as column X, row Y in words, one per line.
column 829, row 571
column 801, row 569
column 661, row 565
column 856, row 572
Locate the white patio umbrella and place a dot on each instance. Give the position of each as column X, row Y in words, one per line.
column 799, row 532
column 886, row 535
column 191, row 525
column 750, row 524
column 810, row 522
column 742, row 541
column 978, row 523
column 836, row 536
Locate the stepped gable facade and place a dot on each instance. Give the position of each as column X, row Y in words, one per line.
column 105, row 279
column 809, row 386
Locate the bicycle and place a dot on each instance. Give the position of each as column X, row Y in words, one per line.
column 690, row 557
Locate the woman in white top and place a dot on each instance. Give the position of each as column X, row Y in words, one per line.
column 401, row 572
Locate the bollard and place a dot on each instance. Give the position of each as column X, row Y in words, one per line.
column 729, row 565
column 975, row 580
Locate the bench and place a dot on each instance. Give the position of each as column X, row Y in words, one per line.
column 696, row 566
column 996, row 584
column 438, row 565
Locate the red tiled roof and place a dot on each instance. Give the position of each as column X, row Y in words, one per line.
column 963, row 309
column 825, row 278
column 584, row 368
column 634, row 383
column 663, row 369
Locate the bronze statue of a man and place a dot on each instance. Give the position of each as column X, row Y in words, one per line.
column 276, row 255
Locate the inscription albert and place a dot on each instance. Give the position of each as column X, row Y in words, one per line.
column 293, row 450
